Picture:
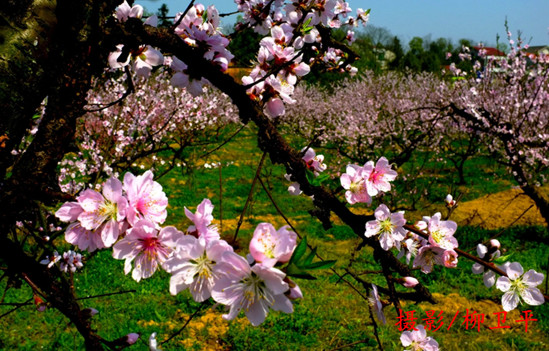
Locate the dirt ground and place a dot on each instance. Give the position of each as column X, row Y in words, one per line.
column 499, row 210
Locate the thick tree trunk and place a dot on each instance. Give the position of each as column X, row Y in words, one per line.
column 47, row 49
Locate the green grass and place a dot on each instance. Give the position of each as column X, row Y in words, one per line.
column 331, row 315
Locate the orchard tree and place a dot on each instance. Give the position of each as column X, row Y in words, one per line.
column 507, row 106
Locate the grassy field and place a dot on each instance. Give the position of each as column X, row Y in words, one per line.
column 333, row 315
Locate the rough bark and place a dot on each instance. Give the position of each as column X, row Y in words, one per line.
column 48, row 49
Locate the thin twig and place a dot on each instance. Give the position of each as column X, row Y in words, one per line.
column 107, row 294
column 250, row 195
column 16, row 308
column 187, row 322
column 308, row 245
column 352, row 344
column 465, row 254
column 131, row 89
column 223, row 143
column 220, row 199
column 182, row 15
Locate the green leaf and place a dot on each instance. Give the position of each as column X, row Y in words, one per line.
column 307, row 26
column 309, row 258
column 320, row 265
column 300, row 263
column 310, row 176
column 314, row 180
column 322, row 177
column 299, row 251
column 294, row 271
column 503, row 259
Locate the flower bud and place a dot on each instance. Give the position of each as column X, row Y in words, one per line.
column 90, row 312
column 39, row 303
column 408, row 282
column 495, row 244
column 450, row 202
column 294, row 292
column 481, row 250
column 153, row 344
column 131, row 338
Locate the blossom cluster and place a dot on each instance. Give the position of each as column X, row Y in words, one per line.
column 69, row 261
column 517, row 285
column 144, row 57
column 362, row 183
column 157, row 114
column 128, row 216
column 315, row 164
column 97, row 219
column 439, row 247
column 291, row 30
column 199, row 28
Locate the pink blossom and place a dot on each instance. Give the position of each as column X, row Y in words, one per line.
column 85, row 239
column 376, row 304
column 315, row 163
column 378, row 176
column 70, row 261
column 252, row 289
column 418, row 340
column 269, row 246
column 410, row 246
column 193, row 266
column 50, row 261
column 441, row 233
column 429, row 255
column 147, row 246
column 450, row 202
column 408, row 282
column 146, row 199
column 124, row 11
column 518, row 285
column 355, row 184
column 489, row 276
column 131, row 338
column 276, row 92
column 389, row 227
column 362, row 15
column 145, row 57
column 106, row 210
column 202, row 220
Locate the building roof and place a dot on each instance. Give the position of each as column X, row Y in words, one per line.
column 490, row 51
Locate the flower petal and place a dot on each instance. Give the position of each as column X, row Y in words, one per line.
column 532, row 296
column 514, row 270
column 477, row 268
column 489, row 279
column 532, row 278
column 510, row 300
column 503, row 284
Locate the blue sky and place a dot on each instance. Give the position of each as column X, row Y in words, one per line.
column 479, row 20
